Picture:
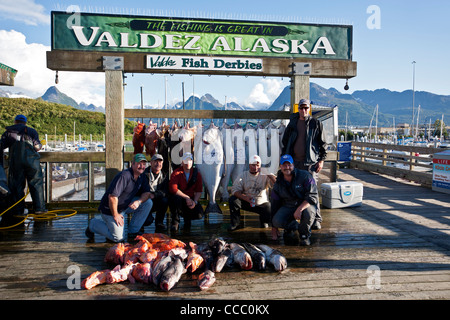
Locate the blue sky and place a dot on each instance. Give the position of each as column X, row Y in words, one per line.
column 408, row 31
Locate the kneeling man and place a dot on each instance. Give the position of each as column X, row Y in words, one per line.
column 294, row 198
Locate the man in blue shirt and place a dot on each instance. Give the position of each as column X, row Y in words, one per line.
column 129, row 192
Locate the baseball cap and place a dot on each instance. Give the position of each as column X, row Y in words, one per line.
column 21, row 117
column 139, row 157
column 157, row 157
column 187, row 156
column 286, row 158
column 304, row 101
column 255, row 159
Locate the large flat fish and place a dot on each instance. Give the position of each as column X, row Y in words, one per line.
column 172, row 274
column 239, row 153
column 258, row 256
column 241, row 256
column 274, row 257
column 209, row 160
column 228, row 150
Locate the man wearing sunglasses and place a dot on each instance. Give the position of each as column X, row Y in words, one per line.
column 304, row 139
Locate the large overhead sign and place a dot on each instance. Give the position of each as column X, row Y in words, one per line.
column 198, row 37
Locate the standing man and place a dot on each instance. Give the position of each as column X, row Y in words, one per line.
column 24, row 164
column 249, row 192
column 185, row 187
column 159, row 187
column 294, row 199
column 129, row 192
column 304, row 139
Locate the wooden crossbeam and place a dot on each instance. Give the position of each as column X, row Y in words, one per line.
column 62, row 60
column 205, row 114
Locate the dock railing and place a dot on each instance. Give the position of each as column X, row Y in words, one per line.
column 413, row 163
column 94, row 181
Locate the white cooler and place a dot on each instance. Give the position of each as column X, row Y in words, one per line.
column 341, row 194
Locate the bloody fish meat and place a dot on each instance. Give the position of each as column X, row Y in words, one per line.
column 142, row 273
column 206, row 280
column 94, row 279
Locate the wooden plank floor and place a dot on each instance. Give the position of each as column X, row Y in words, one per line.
column 402, row 230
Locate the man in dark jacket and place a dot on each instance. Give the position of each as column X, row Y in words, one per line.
column 24, row 164
column 159, row 191
column 294, row 199
column 304, row 139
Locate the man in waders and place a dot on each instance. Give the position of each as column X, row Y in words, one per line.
column 24, row 165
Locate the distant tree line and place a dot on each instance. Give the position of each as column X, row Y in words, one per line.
column 48, row 118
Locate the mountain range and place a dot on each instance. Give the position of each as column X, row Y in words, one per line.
column 356, row 108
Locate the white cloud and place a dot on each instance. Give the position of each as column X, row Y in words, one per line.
column 26, row 11
column 264, row 93
column 33, row 77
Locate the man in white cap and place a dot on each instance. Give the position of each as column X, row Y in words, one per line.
column 304, row 140
column 185, row 188
column 250, row 192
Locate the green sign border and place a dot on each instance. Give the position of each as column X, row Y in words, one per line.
column 172, row 35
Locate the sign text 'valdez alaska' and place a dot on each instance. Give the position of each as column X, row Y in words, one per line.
column 159, row 35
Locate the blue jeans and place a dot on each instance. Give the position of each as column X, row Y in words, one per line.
column 285, row 215
column 112, row 231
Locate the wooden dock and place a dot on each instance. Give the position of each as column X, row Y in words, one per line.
column 395, row 246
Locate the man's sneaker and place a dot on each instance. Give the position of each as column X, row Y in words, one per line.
column 316, row 225
column 149, row 220
column 264, row 225
column 304, row 240
column 89, row 233
column 41, row 212
column 22, row 214
column 235, row 227
column 3, row 191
